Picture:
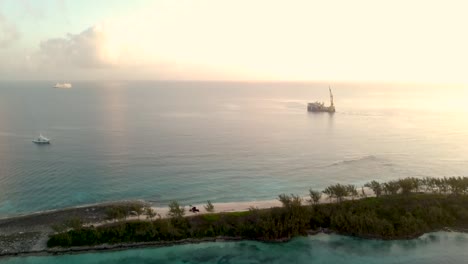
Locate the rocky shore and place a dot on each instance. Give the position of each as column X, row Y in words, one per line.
column 29, row 233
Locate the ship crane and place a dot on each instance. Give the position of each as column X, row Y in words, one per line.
column 320, row 107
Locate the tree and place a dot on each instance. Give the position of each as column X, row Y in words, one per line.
column 329, row 192
column 138, row 208
column 209, row 207
column 456, row 185
column 175, row 210
column 408, row 185
column 442, row 185
column 315, row 196
column 338, row 191
column 375, row 186
column 363, row 193
column 391, row 187
column 429, row 184
column 351, row 191
column 150, row 213
column 291, row 201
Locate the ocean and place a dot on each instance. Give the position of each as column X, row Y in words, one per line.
column 218, row 141
column 228, row 142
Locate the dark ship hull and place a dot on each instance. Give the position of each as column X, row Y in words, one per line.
column 311, row 107
column 320, row 107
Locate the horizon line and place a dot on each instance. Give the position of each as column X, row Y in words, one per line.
column 246, row 81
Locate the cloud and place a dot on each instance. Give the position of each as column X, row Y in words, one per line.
column 84, row 50
column 34, row 9
column 8, row 32
column 252, row 40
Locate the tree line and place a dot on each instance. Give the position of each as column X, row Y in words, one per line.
column 411, row 208
column 447, row 185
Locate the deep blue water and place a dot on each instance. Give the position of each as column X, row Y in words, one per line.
column 434, row 248
column 193, row 141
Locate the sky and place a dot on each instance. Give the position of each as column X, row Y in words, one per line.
column 242, row 40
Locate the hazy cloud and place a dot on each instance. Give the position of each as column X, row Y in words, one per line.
column 34, row 9
column 84, row 50
column 8, row 32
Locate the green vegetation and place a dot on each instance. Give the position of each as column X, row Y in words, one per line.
column 209, row 207
column 211, row 217
column 314, row 196
column 399, row 211
column 375, row 186
column 290, row 201
column 243, row 213
column 175, row 211
column 149, row 212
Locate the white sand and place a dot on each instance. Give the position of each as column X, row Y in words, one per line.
column 218, row 208
column 230, row 207
column 223, row 207
column 244, row 206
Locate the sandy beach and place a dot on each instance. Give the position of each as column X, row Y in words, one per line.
column 29, row 233
column 245, row 206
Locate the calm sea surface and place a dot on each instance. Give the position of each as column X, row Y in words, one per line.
column 194, row 141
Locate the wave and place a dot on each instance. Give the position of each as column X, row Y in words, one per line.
column 354, row 160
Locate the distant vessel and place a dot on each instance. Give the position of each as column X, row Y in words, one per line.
column 63, row 85
column 41, row 140
column 320, row 107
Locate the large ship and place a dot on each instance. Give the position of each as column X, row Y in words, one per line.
column 320, row 106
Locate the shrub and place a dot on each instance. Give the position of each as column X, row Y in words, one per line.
column 315, row 196
column 175, row 210
column 209, row 207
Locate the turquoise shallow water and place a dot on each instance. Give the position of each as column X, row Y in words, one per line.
column 440, row 247
column 194, row 141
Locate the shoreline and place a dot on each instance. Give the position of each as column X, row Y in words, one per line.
column 31, row 231
column 219, row 207
column 29, row 234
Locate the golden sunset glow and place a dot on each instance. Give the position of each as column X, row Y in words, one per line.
column 363, row 40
